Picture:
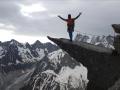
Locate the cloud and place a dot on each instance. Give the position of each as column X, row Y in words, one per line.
column 39, row 17
column 27, row 10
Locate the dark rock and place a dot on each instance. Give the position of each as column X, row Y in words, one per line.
column 116, row 27
column 50, row 47
column 38, row 44
column 103, row 67
column 117, row 43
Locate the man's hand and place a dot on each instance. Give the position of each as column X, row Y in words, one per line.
column 58, row 15
column 80, row 13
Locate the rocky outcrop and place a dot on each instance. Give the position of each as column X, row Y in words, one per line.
column 116, row 27
column 116, row 43
column 103, row 66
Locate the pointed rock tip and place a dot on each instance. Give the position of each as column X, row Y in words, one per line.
column 37, row 42
column 55, row 40
column 49, row 37
column 13, row 40
column 27, row 43
column 52, row 39
column 116, row 27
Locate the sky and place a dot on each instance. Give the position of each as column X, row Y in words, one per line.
column 31, row 20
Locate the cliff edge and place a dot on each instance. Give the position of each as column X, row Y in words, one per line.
column 103, row 67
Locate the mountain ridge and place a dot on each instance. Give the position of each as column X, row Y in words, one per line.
column 13, row 53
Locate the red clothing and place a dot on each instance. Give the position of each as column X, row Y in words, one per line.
column 70, row 24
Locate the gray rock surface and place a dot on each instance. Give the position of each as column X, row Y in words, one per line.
column 103, row 66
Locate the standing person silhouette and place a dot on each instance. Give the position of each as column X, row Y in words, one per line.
column 70, row 24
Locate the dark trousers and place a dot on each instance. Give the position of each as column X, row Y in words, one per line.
column 70, row 35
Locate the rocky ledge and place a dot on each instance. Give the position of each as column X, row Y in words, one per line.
column 103, row 66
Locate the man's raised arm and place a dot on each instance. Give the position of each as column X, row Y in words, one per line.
column 77, row 16
column 62, row 18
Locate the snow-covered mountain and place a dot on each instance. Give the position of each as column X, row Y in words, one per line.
column 15, row 55
column 17, row 61
column 103, row 41
column 43, row 66
column 58, row 71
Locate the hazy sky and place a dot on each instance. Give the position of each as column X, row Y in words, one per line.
column 31, row 20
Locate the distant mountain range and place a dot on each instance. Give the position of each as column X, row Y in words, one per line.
column 41, row 65
column 102, row 41
column 15, row 55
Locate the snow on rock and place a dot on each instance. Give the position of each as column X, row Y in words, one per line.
column 27, row 56
column 67, row 78
column 46, row 50
column 73, row 77
column 47, row 79
column 55, row 56
column 49, row 72
column 1, row 52
column 40, row 52
column 17, row 62
column 25, row 53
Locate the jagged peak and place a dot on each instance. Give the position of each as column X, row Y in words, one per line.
column 37, row 42
column 14, row 42
column 116, row 28
column 27, row 44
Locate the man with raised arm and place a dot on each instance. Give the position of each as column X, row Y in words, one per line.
column 70, row 24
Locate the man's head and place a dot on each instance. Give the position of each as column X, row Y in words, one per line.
column 69, row 16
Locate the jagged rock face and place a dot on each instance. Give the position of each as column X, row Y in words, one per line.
column 15, row 55
column 54, row 70
column 11, row 55
column 103, row 67
column 57, row 71
column 18, row 59
column 117, row 43
column 116, row 28
column 102, row 41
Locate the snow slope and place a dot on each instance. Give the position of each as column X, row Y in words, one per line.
column 59, row 72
